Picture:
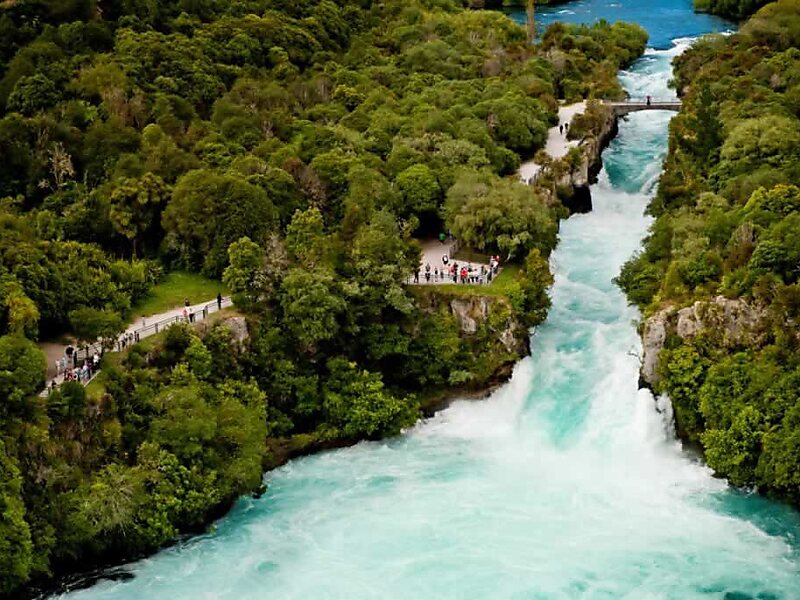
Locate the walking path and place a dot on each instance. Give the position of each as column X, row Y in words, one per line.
column 557, row 143
column 141, row 328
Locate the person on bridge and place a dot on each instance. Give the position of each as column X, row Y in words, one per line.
column 648, row 101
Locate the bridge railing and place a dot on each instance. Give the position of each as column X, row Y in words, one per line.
column 643, row 100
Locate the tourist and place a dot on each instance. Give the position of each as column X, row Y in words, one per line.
column 561, row 129
column 416, row 276
column 445, row 259
column 219, row 301
column 648, row 100
column 185, row 315
column 436, row 274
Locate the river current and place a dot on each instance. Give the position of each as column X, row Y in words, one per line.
column 566, row 483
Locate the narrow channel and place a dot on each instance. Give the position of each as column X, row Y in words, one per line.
column 566, row 483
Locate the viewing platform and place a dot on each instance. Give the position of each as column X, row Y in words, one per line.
column 625, row 107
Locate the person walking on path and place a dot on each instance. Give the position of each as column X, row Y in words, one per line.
column 561, row 129
column 219, row 301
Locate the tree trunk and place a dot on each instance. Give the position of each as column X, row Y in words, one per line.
column 531, row 12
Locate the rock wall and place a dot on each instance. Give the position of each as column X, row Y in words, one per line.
column 729, row 323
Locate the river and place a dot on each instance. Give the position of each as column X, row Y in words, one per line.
column 566, row 483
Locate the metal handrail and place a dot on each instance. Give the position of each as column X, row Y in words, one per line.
column 151, row 329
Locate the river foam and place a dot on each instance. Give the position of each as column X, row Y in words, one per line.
column 566, row 483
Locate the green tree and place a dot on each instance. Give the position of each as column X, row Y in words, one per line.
column 33, row 94
column 496, row 214
column 91, row 325
column 311, row 306
column 359, row 406
column 535, row 280
column 305, row 238
column 22, row 371
column 199, row 358
column 210, row 211
column 242, row 274
column 135, row 206
column 15, row 538
column 420, row 190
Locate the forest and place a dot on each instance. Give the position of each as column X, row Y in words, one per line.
column 733, row 9
column 727, row 216
column 295, row 151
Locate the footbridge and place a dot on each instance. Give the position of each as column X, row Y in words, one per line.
column 625, row 107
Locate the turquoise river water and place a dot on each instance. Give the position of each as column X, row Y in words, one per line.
column 566, row 483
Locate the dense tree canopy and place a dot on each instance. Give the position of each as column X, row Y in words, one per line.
column 728, row 213
column 293, row 149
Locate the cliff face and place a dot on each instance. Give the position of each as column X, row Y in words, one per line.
column 730, row 323
column 491, row 313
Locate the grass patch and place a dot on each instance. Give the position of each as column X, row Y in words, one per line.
column 96, row 388
column 500, row 286
column 174, row 289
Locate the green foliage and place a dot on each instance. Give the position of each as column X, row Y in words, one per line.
column 240, row 276
column 91, row 325
column 726, row 222
column 493, row 214
column 208, row 212
column 291, row 148
column 22, row 370
column 15, row 538
column 311, row 305
column 535, row 280
column 199, row 359
column 737, row 9
column 356, row 402
column 682, row 372
column 419, row 188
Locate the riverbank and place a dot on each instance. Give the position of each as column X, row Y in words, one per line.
column 720, row 318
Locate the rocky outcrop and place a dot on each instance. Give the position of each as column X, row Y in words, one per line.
column 569, row 179
column 654, row 335
column 236, row 325
column 474, row 312
column 729, row 323
column 239, row 331
column 469, row 312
